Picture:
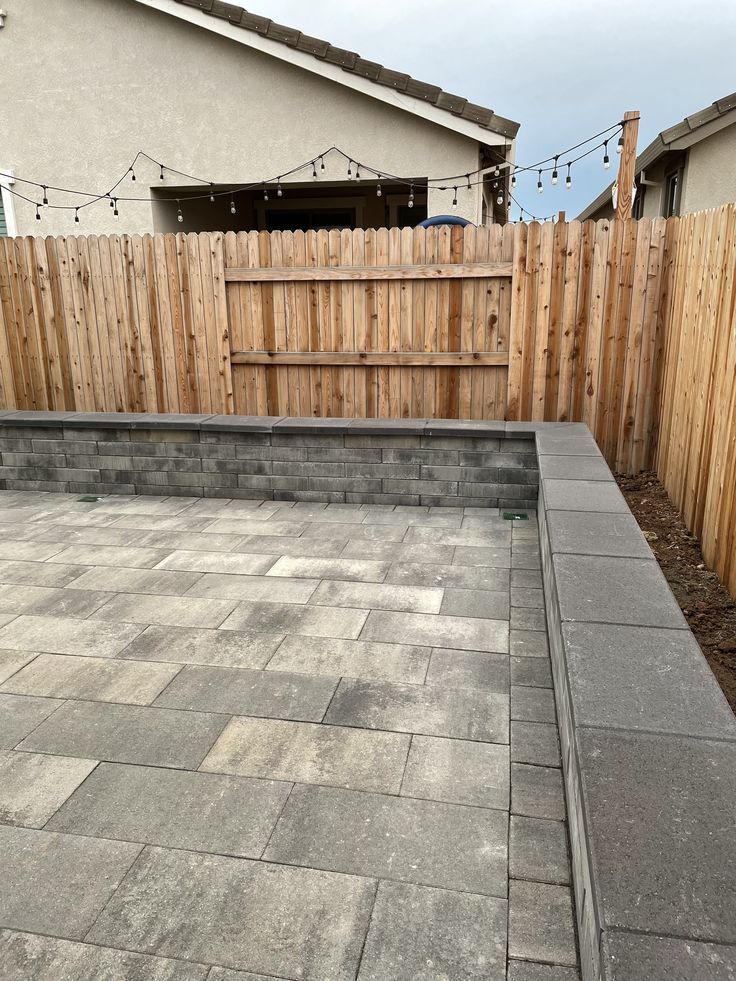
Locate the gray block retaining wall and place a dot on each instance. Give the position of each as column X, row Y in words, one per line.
column 648, row 741
column 335, row 460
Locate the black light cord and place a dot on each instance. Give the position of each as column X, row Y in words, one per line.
column 438, row 183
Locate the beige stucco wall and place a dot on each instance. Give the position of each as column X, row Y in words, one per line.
column 710, row 174
column 87, row 83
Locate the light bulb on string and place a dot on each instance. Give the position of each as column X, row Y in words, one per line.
column 499, row 199
column 467, row 178
column 540, row 185
column 45, row 198
column 513, row 180
column 521, row 214
column 161, row 174
column 233, row 209
column 454, row 198
column 350, row 170
column 279, row 192
column 76, row 216
column 379, row 192
column 322, row 164
column 112, row 201
column 357, row 172
column 410, row 202
column 497, row 171
column 212, row 193
column 554, row 172
column 620, row 144
column 115, row 207
column 132, row 173
column 314, row 170
column 265, row 193
column 606, row 160
column 179, row 215
column 38, row 213
column 568, row 179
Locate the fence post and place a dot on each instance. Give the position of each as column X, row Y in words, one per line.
column 627, row 165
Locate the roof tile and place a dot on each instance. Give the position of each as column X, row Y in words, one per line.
column 312, row 45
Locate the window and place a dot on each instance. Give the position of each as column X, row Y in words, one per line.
column 637, row 209
column 672, row 188
column 305, row 218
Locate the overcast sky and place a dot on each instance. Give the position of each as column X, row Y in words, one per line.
column 564, row 69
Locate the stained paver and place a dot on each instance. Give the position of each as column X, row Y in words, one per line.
column 336, row 725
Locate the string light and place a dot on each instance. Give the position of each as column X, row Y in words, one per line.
column 568, row 179
column 179, row 215
column 76, row 216
column 499, row 199
column 279, row 192
column 265, row 193
column 45, row 198
column 357, row 172
column 314, row 170
column 554, row 172
column 441, row 183
column 497, row 171
column 379, row 192
column 620, row 144
column 540, row 185
column 212, row 193
column 606, row 161
column 115, row 207
column 38, row 213
column 233, row 209
column 454, row 198
column 410, row 202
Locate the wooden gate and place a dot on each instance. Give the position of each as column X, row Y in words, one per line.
column 387, row 322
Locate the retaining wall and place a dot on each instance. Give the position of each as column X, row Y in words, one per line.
column 337, row 460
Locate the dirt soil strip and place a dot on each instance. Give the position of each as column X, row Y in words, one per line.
column 709, row 609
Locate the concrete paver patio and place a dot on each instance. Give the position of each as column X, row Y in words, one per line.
column 299, row 741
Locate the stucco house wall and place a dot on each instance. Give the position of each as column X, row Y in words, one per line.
column 88, row 83
column 710, row 174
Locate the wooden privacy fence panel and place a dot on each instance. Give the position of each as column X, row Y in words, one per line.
column 381, row 322
column 114, row 323
column 696, row 455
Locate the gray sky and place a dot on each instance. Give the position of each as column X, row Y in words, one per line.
column 564, row 69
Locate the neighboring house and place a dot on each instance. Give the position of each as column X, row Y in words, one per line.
column 213, row 91
column 689, row 167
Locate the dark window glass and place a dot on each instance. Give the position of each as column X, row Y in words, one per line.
column 672, row 194
column 278, row 220
column 637, row 210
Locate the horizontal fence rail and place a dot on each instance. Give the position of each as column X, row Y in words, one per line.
column 627, row 326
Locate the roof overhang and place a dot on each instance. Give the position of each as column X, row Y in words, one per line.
column 276, row 49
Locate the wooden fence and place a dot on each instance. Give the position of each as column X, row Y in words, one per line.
column 628, row 326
